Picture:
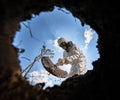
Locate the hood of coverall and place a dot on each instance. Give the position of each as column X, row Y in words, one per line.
column 61, row 40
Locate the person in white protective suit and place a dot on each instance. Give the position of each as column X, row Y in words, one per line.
column 74, row 56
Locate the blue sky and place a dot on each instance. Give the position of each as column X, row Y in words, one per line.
column 46, row 28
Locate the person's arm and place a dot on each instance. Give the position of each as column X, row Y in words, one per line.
column 76, row 55
column 60, row 62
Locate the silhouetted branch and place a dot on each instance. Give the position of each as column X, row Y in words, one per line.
column 21, row 50
column 63, row 11
column 28, row 28
column 44, row 52
column 26, row 58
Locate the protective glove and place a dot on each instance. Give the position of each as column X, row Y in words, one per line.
column 60, row 62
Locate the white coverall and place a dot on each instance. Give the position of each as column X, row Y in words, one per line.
column 77, row 60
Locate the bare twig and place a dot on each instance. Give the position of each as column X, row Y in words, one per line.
column 63, row 11
column 26, row 58
column 37, row 58
column 28, row 28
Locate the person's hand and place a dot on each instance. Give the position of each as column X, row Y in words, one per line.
column 61, row 61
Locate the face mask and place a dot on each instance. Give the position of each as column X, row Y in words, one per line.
column 69, row 45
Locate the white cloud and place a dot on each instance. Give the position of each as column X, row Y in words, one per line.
column 44, row 77
column 34, row 73
column 56, row 45
column 88, row 34
column 66, row 67
column 40, row 77
column 50, row 41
